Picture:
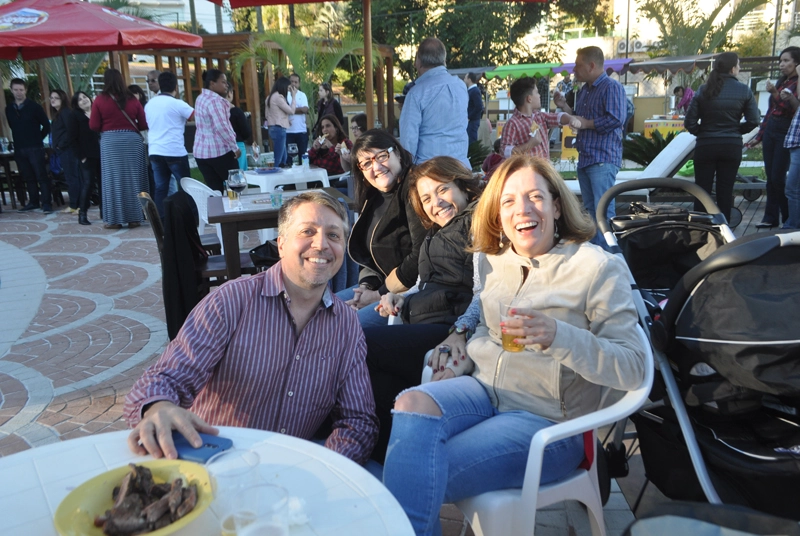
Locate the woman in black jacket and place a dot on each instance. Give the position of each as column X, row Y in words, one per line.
column 444, row 195
column 326, row 105
column 87, row 143
column 714, row 116
column 64, row 146
column 386, row 239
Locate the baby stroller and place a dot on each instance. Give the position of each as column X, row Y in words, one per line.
column 728, row 428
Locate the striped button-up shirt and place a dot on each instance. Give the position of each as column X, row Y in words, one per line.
column 604, row 102
column 238, row 361
column 215, row 135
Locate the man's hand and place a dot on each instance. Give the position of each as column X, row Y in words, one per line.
column 154, row 431
column 362, row 297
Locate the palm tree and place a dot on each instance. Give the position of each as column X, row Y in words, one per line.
column 312, row 58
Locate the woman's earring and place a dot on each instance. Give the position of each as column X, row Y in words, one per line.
column 501, row 239
column 555, row 231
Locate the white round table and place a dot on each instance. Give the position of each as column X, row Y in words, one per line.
column 341, row 498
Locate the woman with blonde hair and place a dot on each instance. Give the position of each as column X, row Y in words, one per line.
column 574, row 338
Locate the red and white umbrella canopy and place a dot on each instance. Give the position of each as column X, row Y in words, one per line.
column 46, row 28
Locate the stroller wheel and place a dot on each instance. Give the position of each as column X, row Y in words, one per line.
column 736, row 218
column 751, row 195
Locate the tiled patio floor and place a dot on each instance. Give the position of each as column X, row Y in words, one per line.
column 81, row 317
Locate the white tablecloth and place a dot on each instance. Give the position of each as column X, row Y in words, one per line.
column 342, row 499
column 297, row 175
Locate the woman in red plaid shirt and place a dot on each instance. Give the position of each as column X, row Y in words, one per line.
column 327, row 149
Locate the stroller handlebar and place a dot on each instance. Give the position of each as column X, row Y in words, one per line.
column 637, row 184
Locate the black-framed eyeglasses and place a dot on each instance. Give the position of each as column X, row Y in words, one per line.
column 380, row 158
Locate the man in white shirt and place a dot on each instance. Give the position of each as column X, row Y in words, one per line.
column 298, row 131
column 167, row 116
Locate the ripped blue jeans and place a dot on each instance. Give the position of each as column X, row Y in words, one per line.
column 471, row 449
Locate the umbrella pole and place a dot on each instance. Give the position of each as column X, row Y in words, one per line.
column 66, row 70
column 368, row 89
column 44, row 87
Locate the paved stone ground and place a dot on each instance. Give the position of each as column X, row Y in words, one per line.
column 81, row 316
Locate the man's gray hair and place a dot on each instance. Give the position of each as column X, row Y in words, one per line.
column 432, row 53
column 320, row 198
column 592, row 54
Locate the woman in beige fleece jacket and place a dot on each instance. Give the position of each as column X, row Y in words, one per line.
column 470, row 434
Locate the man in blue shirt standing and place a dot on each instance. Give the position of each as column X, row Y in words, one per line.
column 475, row 106
column 601, row 107
column 434, row 117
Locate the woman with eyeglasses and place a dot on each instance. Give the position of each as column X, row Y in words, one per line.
column 388, row 235
column 358, row 126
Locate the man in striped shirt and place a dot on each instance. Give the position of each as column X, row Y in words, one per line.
column 276, row 351
column 601, row 107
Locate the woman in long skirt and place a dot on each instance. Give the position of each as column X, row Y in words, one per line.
column 119, row 117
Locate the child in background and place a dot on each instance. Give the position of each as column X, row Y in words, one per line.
column 492, row 161
column 526, row 132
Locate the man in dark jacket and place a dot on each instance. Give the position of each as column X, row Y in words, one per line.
column 474, row 106
column 29, row 125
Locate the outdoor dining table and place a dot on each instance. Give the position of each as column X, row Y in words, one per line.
column 341, row 497
column 255, row 212
column 296, row 175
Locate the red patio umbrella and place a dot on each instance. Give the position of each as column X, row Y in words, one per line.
column 46, row 28
column 367, row 9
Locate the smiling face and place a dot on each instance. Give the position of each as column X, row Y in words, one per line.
column 440, row 200
column 787, row 64
column 84, row 102
column 528, row 213
column 312, row 247
column 329, row 131
column 381, row 175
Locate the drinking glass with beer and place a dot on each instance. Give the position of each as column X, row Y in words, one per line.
column 507, row 307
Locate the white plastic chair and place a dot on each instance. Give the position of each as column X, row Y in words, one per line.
column 297, row 176
column 200, row 193
column 513, row 511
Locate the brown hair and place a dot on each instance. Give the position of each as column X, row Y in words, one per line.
column 340, row 135
column 286, row 213
column 442, row 169
column 573, row 224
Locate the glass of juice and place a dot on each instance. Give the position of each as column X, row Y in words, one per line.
column 507, row 307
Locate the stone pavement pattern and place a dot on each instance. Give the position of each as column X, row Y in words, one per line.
column 85, row 305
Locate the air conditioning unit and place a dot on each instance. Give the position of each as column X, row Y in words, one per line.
column 621, row 46
column 638, row 45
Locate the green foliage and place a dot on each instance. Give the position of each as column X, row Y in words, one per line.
column 641, row 150
column 313, row 59
column 476, row 33
column 686, row 31
column 476, row 154
column 187, row 27
column 755, row 43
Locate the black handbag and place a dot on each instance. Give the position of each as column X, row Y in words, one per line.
column 265, row 255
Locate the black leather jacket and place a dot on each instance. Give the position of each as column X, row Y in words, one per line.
column 718, row 119
column 394, row 243
column 445, row 274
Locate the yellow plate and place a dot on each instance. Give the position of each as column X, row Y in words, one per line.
column 75, row 515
